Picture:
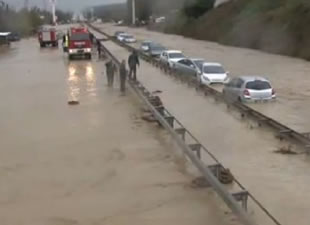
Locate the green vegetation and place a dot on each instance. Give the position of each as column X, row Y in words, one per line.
column 277, row 26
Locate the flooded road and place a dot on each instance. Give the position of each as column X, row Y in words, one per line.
column 80, row 165
column 289, row 76
column 247, row 150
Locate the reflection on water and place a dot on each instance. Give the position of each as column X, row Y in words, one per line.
column 91, row 80
column 81, row 77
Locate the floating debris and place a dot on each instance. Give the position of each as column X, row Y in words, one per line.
column 200, row 182
column 73, row 102
column 157, row 92
column 149, row 117
column 286, row 151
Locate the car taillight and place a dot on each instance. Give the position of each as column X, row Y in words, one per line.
column 246, row 92
column 273, row 92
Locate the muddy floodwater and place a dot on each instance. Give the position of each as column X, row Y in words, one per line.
column 279, row 182
column 95, row 163
column 289, row 76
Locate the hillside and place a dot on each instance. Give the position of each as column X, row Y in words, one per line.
column 277, row 26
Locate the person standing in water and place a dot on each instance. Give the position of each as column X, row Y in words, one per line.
column 133, row 62
column 110, row 70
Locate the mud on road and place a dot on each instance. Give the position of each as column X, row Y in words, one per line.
column 95, row 163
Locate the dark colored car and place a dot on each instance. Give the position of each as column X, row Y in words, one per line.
column 155, row 50
column 14, row 37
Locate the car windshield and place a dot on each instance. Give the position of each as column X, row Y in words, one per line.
column 128, row 36
column 80, row 37
column 213, row 69
column 157, row 48
column 176, row 55
column 258, row 85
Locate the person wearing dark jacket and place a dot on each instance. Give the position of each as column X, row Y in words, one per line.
column 133, row 61
column 123, row 76
column 110, row 69
column 99, row 49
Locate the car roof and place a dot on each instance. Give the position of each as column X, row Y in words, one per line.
column 252, row 78
column 173, row 51
column 146, row 41
column 197, row 59
column 212, row 64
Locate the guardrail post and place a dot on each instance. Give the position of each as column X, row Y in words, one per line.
column 182, row 132
column 170, row 120
column 215, row 169
column 196, row 148
column 242, row 197
column 161, row 110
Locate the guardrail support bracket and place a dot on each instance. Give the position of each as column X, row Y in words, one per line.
column 182, row 132
column 242, row 197
column 196, row 148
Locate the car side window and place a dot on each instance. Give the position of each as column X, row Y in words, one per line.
column 182, row 62
column 190, row 63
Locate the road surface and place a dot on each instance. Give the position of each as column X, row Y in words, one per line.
column 95, row 163
column 240, row 145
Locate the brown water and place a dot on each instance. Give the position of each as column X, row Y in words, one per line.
column 280, row 182
column 289, row 76
column 95, row 163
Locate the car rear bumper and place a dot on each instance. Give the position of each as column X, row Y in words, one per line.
column 259, row 100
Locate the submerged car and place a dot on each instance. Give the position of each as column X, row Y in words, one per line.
column 170, row 57
column 121, row 36
column 128, row 38
column 249, row 89
column 212, row 73
column 145, row 45
column 118, row 33
column 188, row 66
column 14, row 37
column 155, row 50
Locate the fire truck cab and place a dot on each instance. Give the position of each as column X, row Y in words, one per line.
column 79, row 43
column 47, row 36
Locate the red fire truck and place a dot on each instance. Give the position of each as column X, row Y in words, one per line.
column 79, row 42
column 47, row 36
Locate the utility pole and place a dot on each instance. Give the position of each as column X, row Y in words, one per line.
column 133, row 8
column 53, row 2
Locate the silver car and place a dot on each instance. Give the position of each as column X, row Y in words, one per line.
column 188, row 66
column 249, row 89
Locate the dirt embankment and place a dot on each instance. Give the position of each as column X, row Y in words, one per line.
column 278, row 26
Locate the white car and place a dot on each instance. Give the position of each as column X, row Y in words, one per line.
column 170, row 57
column 145, row 46
column 129, row 38
column 121, row 36
column 212, row 73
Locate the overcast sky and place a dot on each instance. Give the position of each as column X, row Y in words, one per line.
column 73, row 5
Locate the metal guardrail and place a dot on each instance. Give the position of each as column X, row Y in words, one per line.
column 195, row 151
column 283, row 130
